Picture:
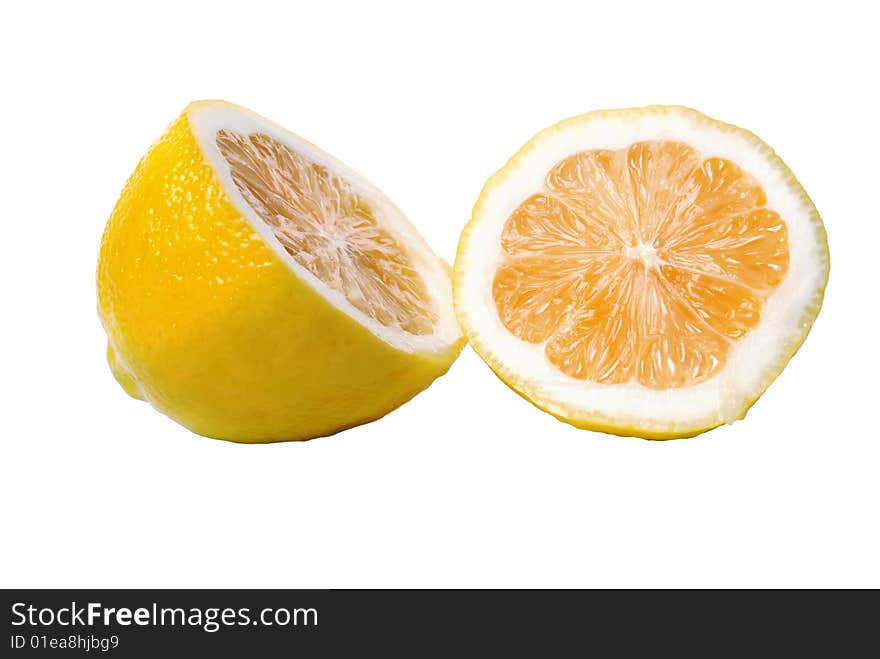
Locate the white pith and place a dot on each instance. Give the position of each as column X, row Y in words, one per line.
column 754, row 361
column 207, row 117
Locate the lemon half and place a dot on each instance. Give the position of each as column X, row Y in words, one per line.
column 255, row 289
column 643, row 272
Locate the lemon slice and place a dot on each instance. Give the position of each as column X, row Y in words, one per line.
column 255, row 289
column 642, row 272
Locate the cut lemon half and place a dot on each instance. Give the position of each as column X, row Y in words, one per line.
column 255, row 289
column 643, row 272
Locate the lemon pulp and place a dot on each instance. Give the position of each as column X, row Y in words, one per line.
column 328, row 229
column 644, row 263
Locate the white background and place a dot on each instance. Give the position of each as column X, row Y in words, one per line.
column 467, row 485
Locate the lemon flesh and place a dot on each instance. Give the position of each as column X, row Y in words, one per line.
column 217, row 323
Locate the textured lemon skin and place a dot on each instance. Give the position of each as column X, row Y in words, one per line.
column 596, row 420
column 208, row 324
